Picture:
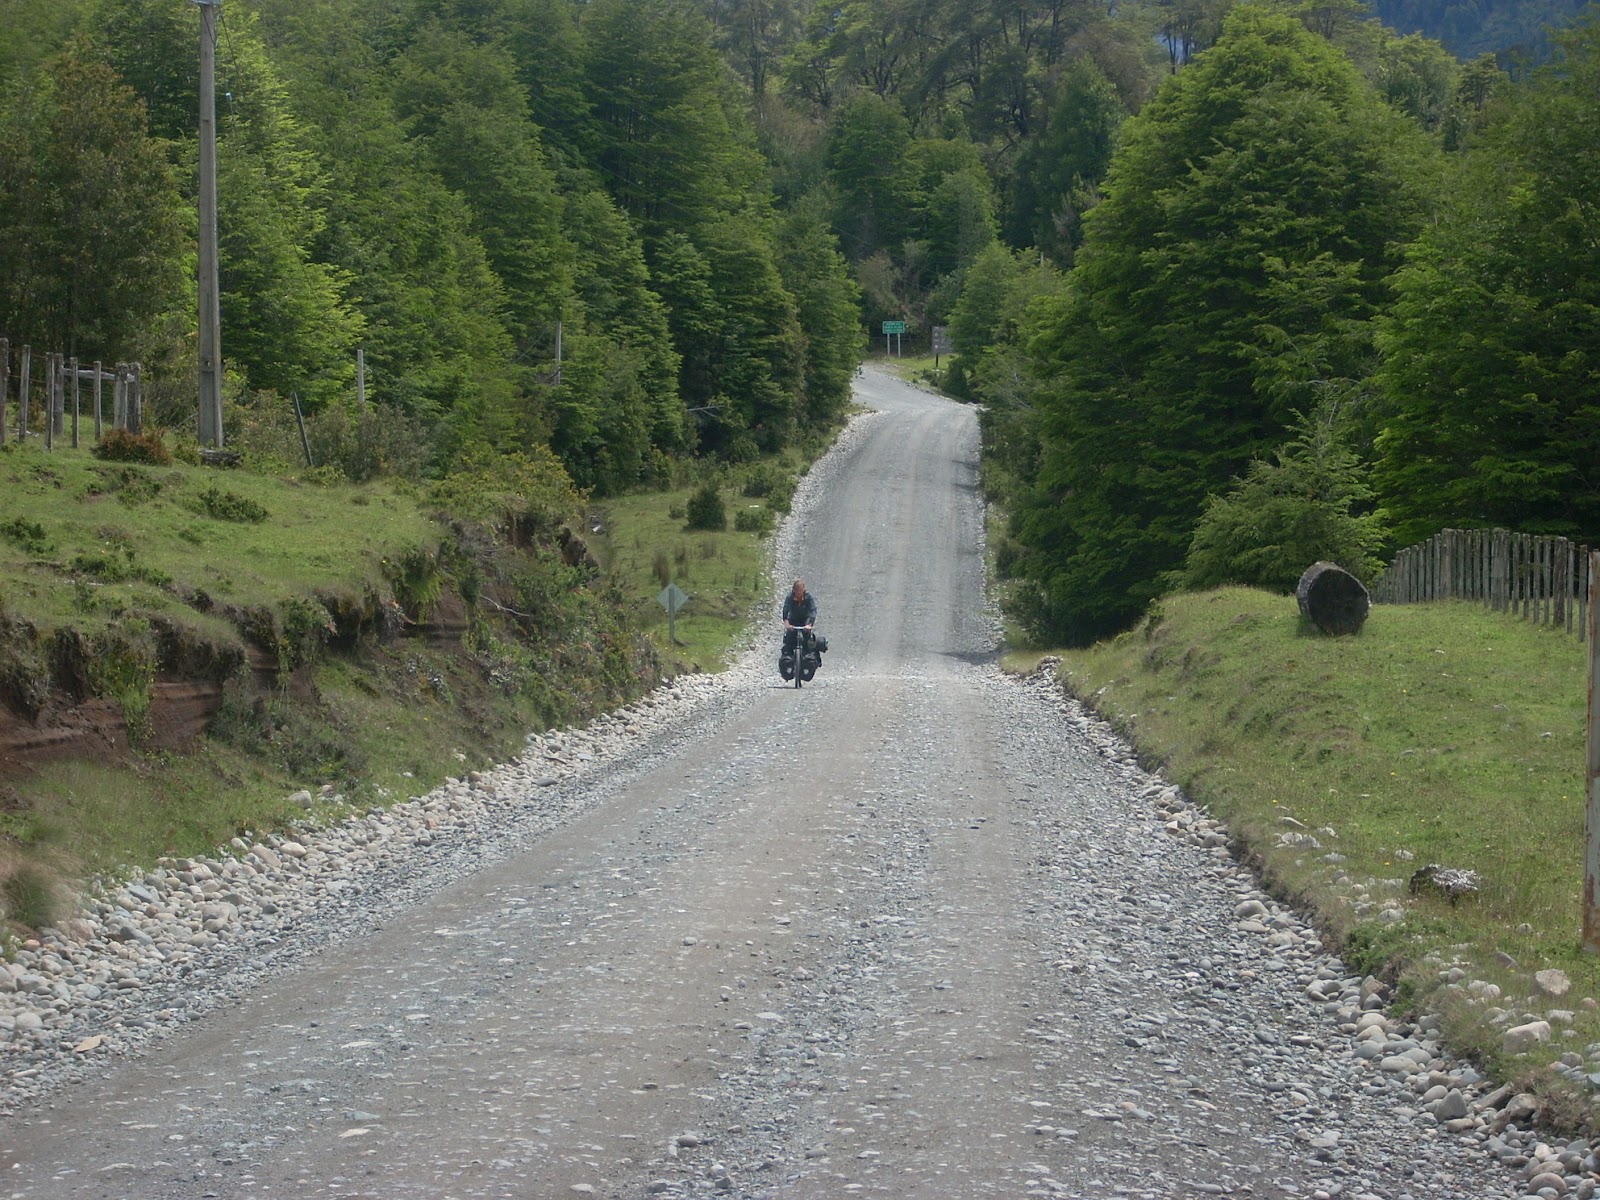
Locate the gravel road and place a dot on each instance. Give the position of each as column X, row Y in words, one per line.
column 917, row 930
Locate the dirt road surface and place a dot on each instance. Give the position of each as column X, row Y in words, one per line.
column 901, row 933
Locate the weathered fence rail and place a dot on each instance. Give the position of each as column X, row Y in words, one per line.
column 1542, row 579
column 63, row 378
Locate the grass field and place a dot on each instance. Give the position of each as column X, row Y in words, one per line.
column 1442, row 733
column 726, row 573
column 82, row 541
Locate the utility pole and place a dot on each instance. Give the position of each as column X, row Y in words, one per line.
column 210, row 303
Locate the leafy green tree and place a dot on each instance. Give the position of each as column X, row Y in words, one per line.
column 287, row 319
column 437, row 339
column 617, row 406
column 681, row 274
column 154, row 47
column 1489, row 357
column 984, row 307
column 32, row 32
column 1058, row 171
column 960, row 219
column 464, row 101
column 1230, row 274
column 756, row 357
column 287, row 324
column 543, row 39
column 875, row 181
column 753, row 35
column 1282, row 516
column 827, row 304
column 91, row 224
column 615, row 288
column 871, row 46
column 663, row 130
column 991, row 325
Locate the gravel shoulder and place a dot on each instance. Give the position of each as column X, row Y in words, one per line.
column 916, row 930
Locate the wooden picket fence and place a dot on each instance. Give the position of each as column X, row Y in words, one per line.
column 1541, row 579
column 64, row 397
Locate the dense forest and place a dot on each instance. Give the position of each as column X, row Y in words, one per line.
column 1237, row 285
column 1516, row 31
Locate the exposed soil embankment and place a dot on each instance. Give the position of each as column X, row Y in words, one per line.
column 97, row 728
column 479, row 620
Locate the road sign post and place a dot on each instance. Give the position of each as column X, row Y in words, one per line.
column 893, row 329
column 672, row 598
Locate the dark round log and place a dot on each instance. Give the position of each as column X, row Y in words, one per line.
column 1332, row 599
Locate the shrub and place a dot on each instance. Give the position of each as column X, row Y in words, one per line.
column 1006, row 555
column 418, row 584
column 771, row 483
column 132, row 485
column 121, row 667
column 118, row 445
column 303, row 628
column 1284, row 516
column 754, row 520
column 706, row 510
column 229, row 506
column 31, row 894
column 29, row 535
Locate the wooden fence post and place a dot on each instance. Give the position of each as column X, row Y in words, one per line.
column 135, row 399
column 61, row 394
column 1541, row 614
column 76, row 396
column 1481, row 559
column 24, row 386
column 51, row 378
column 1591, row 811
column 1524, row 575
column 1585, row 582
column 1558, row 581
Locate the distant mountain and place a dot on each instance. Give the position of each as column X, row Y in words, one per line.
column 1519, row 28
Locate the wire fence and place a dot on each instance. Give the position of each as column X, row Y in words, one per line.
column 1541, row 579
column 55, row 396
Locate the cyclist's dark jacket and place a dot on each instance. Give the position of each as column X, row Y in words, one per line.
column 803, row 612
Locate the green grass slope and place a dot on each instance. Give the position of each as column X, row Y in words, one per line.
column 1442, row 733
column 182, row 648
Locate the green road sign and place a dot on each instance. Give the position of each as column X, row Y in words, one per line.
column 894, row 327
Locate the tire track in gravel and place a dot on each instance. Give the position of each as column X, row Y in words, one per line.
column 910, row 931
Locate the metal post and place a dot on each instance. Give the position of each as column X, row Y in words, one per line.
column 210, row 303
column 99, row 411
column 361, row 380
column 1591, row 815
column 5, row 384
column 76, row 399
